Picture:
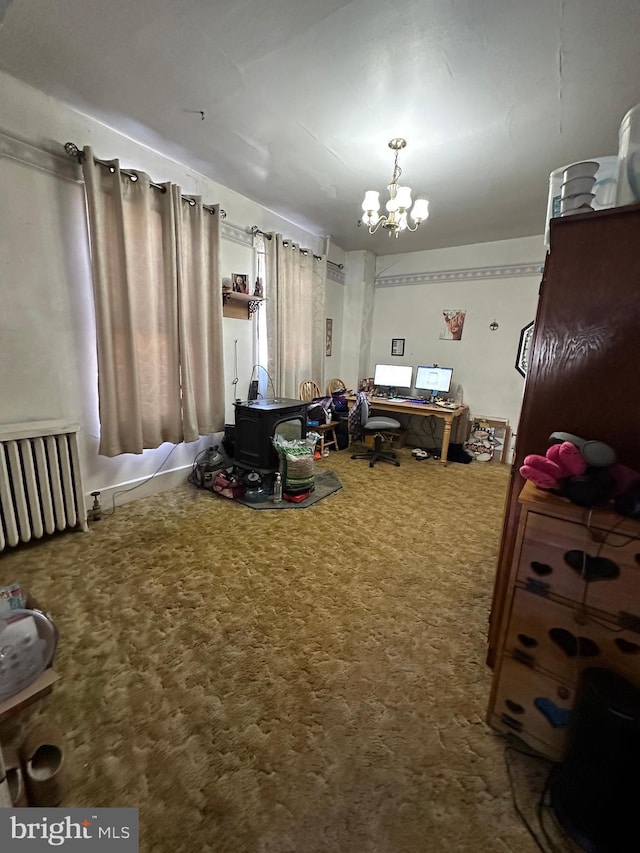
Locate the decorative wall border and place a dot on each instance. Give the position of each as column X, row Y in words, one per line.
column 59, row 165
column 236, row 234
column 335, row 274
column 471, row 274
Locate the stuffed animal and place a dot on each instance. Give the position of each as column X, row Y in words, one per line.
column 560, row 462
column 583, row 471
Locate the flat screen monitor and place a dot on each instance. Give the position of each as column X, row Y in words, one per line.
column 393, row 375
column 434, row 378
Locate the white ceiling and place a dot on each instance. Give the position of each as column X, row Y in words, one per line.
column 300, row 97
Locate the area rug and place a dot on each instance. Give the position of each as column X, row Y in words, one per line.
column 326, row 483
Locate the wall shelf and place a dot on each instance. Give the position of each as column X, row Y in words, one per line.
column 239, row 305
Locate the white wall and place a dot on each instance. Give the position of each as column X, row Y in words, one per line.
column 491, row 281
column 47, row 343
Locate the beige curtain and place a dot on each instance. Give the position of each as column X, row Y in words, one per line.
column 199, row 316
column 159, row 358
column 295, row 290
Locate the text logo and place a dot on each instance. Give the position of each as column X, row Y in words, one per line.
column 73, row 830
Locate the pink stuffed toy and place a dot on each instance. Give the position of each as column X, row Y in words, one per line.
column 560, row 462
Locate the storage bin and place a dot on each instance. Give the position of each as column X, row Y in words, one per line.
column 604, row 188
column 628, row 189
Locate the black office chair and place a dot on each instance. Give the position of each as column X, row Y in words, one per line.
column 376, row 425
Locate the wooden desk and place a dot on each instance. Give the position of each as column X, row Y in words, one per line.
column 447, row 416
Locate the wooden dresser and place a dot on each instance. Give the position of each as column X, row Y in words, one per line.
column 582, row 376
column 572, row 601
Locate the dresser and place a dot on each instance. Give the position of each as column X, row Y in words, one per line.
column 572, row 602
column 582, row 376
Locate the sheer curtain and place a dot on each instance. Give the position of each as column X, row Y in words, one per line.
column 295, row 315
column 158, row 322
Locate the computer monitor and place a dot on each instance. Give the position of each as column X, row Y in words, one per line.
column 433, row 378
column 392, row 376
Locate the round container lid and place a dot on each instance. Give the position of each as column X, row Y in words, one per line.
column 27, row 644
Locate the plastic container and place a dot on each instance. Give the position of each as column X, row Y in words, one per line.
column 604, row 188
column 571, row 202
column 577, row 186
column 582, row 169
column 628, row 190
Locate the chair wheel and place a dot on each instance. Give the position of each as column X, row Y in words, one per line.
column 353, row 456
column 397, row 464
column 371, row 464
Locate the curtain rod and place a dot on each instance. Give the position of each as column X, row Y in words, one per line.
column 73, row 151
column 255, row 230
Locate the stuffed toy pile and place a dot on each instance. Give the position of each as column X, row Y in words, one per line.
column 584, row 471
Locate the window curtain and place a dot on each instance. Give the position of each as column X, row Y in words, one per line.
column 295, row 290
column 158, row 322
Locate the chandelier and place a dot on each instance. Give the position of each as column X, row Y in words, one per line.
column 398, row 205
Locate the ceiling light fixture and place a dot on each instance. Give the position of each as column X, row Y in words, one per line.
column 398, row 205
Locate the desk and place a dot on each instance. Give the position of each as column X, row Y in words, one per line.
column 447, row 416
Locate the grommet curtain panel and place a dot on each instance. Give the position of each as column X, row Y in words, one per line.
column 296, row 283
column 156, row 283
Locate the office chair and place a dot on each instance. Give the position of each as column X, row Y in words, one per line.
column 375, row 425
column 308, row 390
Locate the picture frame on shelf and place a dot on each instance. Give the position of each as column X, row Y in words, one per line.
column 240, row 282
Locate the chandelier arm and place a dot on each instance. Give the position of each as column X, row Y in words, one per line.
column 379, row 223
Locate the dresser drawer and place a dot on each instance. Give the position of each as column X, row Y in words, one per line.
column 563, row 640
column 534, row 706
column 541, row 563
column 597, row 567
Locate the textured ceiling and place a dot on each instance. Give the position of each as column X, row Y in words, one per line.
column 300, row 97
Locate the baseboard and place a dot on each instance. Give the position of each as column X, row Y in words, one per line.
column 141, row 487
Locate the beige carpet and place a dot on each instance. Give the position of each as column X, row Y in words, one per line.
column 286, row 682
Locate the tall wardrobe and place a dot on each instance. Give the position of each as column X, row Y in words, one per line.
column 583, row 375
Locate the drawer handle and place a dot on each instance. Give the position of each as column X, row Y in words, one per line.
column 506, row 720
column 537, row 587
column 514, row 707
column 522, row 657
column 527, row 642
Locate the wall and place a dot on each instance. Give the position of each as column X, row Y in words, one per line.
column 491, row 281
column 47, row 343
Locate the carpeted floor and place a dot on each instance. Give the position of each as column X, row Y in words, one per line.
column 297, row 682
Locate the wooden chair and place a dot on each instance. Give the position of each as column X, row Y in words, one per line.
column 309, row 390
column 334, row 385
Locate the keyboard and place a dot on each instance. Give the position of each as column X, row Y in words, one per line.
column 406, row 400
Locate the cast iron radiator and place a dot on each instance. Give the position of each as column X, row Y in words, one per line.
column 40, row 481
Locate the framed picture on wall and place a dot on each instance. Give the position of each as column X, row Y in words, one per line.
column 452, row 324
column 328, row 336
column 397, row 346
column 524, row 348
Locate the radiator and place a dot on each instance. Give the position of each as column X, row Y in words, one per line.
column 40, row 481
